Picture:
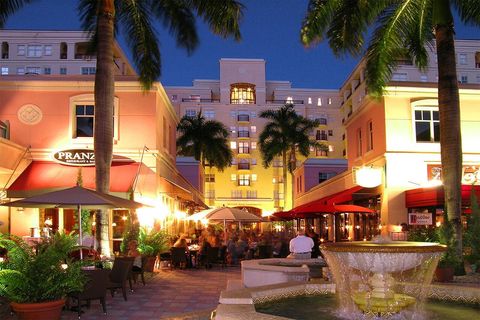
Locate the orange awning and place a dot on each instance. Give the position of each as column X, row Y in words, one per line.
column 43, row 176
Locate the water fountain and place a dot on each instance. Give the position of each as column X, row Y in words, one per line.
column 381, row 278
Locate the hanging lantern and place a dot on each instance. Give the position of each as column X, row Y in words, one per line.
column 368, row 177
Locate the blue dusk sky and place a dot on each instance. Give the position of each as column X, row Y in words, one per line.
column 270, row 30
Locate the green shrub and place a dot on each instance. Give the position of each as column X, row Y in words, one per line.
column 152, row 243
column 36, row 275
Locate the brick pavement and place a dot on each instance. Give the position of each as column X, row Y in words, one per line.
column 169, row 294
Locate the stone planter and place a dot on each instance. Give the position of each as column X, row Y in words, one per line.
column 49, row 310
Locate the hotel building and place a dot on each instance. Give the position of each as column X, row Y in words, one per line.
column 398, row 137
column 236, row 100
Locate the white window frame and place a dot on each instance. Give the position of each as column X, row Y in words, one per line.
column 47, row 50
column 21, row 50
column 209, row 114
column 21, row 70
column 233, row 145
column 369, row 135
column 191, row 113
column 424, row 105
column 63, row 70
column 88, row 99
column 34, row 50
column 4, row 71
column 462, row 58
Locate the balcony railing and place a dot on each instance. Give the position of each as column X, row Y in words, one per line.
column 285, row 101
column 243, row 117
column 243, row 134
column 199, row 100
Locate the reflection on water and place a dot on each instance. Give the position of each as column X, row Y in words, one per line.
column 325, row 306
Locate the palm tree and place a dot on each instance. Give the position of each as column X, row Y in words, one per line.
column 404, row 28
column 102, row 18
column 205, row 140
column 283, row 136
column 9, row 7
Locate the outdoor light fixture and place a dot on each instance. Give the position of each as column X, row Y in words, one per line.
column 368, row 176
column 124, row 218
column 114, row 224
column 64, row 266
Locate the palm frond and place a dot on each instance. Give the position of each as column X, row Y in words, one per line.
column 469, row 11
column 134, row 17
column 318, row 18
column 9, row 7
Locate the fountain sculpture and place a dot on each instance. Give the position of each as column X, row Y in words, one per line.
column 381, row 278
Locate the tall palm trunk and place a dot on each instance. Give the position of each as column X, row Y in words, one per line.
column 293, row 166
column 103, row 133
column 285, row 186
column 449, row 111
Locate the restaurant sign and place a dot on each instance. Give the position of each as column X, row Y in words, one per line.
column 75, row 157
column 420, row 219
column 470, row 174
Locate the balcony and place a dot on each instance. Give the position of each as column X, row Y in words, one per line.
column 202, row 100
column 243, row 134
column 285, row 101
column 243, row 117
column 321, row 136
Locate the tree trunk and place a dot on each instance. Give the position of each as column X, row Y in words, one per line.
column 450, row 133
column 285, row 166
column 293, row 166
column 103, row 131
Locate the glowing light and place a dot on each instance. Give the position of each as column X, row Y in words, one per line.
column 326, row 228
column 357, row 227
column 438, row 224
column 432, row 183
column 369, row 177
column 2, row 259
column 349, row 238
column 114, row 224
column 364, row 239
column 124, row 218
column 322, row 240
column 64, row 266
column 48, row 222
column 180, row 215
column 94, row 223
column 397, row 228
column 380, row 227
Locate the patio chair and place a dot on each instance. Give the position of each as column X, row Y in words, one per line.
column 121, row 270
column 95, row 289
column 265, row 251
column 212, row 256
column 178, row 257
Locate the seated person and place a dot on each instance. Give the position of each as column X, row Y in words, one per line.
column 133, row 252
column 301, row 246
column 181, row 243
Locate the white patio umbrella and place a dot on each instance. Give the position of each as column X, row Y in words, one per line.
column 75, row 197
column 225, row 214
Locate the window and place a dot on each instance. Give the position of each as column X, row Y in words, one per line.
column 195, row 98
column 359, row 143
column 20, row 70
column 33, row 70
column 209, row 114
column 21, row 50
column 190, row 113
column 253, row 114
column 399, row 76
column 252, row 194
column 321, row 135
column 322, row 121
column 319, row 102
column 233, row 114
column 88, row 70
column 233, row 129
column 34, row 51
column 323, row 176
column 174, row 97
column 210, row 177
column 243, row 132
column 242, row 93
column 369, row 136
column 462, row 58
column 47, row 50
column 4, row 71
column 423, row 78
column 289, row 100
column 277, row 195
column 253, row 162
column 254, row 177
column 47, row 70
column 329, row 100
column 463, row 78
column 243, row 164
column 309, row 100
column 427, row 125
column 320, row 152
column 243, row 147
column 477, row 59
column 233, row 177
column 277, row 163
column 84, row 120
column 210, row 194
column 236, row 194
column 330, row 133
column 478, row 78
column 253, row 129
column 253, row 145
column 63, row 70
column 5, row 50
column 243, row 179
column 233, row 144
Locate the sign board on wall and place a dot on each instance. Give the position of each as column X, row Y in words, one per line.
column 420, row 219
column 75, row 157
column 470, row 174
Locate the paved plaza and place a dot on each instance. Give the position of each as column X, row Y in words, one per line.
column 169, row 294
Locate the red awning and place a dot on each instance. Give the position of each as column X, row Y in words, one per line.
column 41, row 176
column 432, row 197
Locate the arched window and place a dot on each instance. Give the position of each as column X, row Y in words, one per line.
column 242, row 93
column 63, row 50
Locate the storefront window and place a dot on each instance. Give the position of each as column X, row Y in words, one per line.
column 242, row 93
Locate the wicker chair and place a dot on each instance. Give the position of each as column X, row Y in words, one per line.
column 95, row 289
column 136, row 273
column 121, row 270
column 178, row 257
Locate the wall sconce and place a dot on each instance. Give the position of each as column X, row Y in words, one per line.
column 368, row 176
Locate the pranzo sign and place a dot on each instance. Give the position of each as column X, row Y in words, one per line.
column 75, row 157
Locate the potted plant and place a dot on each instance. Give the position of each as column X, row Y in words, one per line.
column 151, row 244
column 449, row 260
column 37, row 280
column 472, row 235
